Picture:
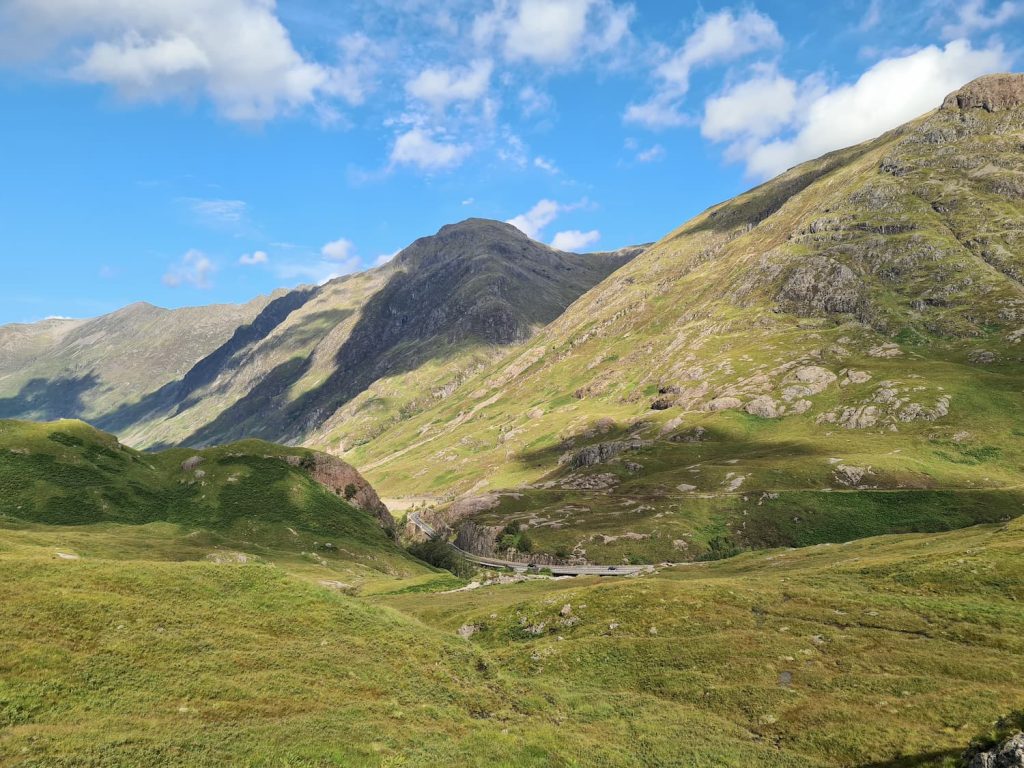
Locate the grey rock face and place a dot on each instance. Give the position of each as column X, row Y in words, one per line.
column 992, row 93
column 1009, row 754
column 821, row 285
column 602, row 453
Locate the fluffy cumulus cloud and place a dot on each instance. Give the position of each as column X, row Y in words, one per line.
column 534, row 221
column 575, row 240
column 719, row 38
column 439, row 86
column 235, row 52
column 757, row 107
column 341, row 249
column 416, row 147
column 251, row 259
column 194, row 269
column 774, row 123
column 553, row 32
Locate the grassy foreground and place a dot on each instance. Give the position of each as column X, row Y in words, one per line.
column 892, row 651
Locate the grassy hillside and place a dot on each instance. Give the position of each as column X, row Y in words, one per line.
column 836, row 353
column 246, row 501
column 885, row 652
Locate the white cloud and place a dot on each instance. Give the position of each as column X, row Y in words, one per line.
column 341, row 249
column 872, row 16
column 972, row 17
column 533, row 222
column 545, row 165
column 251, row 259
column 416, row 147
column 533, row 101
column 650, row 155
column 574, row 240
column 887, row 95
column 194, row 269
column 757, row 107
column 234, row 52
column 384, row 258
column 438, row 86
column 720, row 38
column 553, row 32
column 469, row 201
column 354, row 75
column 219, row 212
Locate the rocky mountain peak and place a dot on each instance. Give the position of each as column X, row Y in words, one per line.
column 990, row 92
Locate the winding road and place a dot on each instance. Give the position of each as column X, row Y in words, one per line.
column 557, row 570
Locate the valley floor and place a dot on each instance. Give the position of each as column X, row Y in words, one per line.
column 892, row 651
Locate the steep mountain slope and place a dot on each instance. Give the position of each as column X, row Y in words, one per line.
column 84, row 368
column 832, row 354
column 355, row 354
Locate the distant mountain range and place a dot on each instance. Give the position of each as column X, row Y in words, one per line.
column 282, row 366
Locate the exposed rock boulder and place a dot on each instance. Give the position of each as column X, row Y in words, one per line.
column 851, row 476
column 191, row 463
column 1009, row 754
column 992, row 93
column 807, row 380
column 764, row 406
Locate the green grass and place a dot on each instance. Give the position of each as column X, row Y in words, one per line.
column 242, row 498
column 881, row 650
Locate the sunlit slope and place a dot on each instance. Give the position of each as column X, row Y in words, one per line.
column 854, row 325
column 889, row 652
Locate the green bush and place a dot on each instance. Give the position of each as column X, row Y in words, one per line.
column 720, row 548
column 437, row 552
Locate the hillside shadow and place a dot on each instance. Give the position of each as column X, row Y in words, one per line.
column 716, row 443
column 180, row 395
column 235, row 422
column 48, row 399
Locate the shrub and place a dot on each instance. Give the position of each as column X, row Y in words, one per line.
column 720, row 548
column 438, row 552
column 350, row 491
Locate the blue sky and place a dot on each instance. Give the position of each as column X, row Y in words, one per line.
column 201, row 151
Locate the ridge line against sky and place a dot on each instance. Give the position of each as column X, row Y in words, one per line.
column 200, row 151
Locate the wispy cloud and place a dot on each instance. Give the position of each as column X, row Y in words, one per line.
column 251, row 259
column 194, row 269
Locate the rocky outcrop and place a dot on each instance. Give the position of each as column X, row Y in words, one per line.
column 1009, row 754
column 993, row 93
column 477, row 539
column 344, row 480
column 602, row 453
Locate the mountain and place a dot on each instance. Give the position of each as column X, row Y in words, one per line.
column 836, row 353
column 346, row 358
column 84, row 368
